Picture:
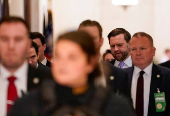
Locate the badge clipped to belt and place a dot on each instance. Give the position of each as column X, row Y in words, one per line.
column 160, row 102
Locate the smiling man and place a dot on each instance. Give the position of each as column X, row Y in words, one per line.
column 119, row 44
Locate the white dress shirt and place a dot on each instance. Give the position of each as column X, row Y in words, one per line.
column 128, row 63
column 147, row 80
column 44, row 62
column 20, row 83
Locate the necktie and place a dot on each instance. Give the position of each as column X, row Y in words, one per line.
column 12, row 92
column 139, row 95
column 121, row 64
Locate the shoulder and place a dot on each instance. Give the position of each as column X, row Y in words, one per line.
column 119, row 106
column 112, row 62
column 129, row 69
column 109, row 67
column 118, row 75
column 26, row 105
column 166, row 64
column 41, row 66
column 43, row 71
column 162, row 69
column 48, row 63
column 32, row 103
column 163, row 72
column 36, row 77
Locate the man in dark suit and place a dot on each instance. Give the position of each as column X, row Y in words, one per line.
column 33, row 58
column 166, row 64
column 147, row 79
column 16, row 76
column 114, row 77
column 39, row 39
column 119, row 44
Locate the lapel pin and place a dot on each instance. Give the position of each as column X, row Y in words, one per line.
column 112, row 78
column 36, row 80
column 158, row 76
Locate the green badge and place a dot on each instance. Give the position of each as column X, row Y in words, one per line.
column 160, row 103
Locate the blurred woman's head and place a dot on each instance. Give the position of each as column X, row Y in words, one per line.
column 75, row 59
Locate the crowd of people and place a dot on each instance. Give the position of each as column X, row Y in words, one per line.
column 78, row 82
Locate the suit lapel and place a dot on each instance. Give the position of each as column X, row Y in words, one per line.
column 130, row 75
column 113, row 61
column 40, row 65
column 31, row 75
column 155, row 83
column 48, row 63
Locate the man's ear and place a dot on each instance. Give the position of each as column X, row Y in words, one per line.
column 153, row 51
column 101, row 41
column 44, row 47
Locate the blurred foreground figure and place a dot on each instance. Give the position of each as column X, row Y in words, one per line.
column 74, row 92
column 110, row 75
column 107, row 56
column 16, row 76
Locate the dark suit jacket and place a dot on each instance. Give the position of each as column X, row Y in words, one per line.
column 48, row 63
column 35, row 77
column 117, row 79
column 56, row 100
column 113, row 61
column 162, row 82
column 45, row 68
column 41, row 66
column 166, row 64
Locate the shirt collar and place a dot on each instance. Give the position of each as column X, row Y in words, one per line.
column 37, row 65
column 127, row 62
column 20, row 73
column 44, row 62
column 4, row 73
column 147, row 70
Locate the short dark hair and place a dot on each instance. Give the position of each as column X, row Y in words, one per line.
column 86, row 43
column 106, row 52
column 13, row 19
column 118, row 31
column 143, row 34
column 35, row 46
column 91, row 23
column 35, row 35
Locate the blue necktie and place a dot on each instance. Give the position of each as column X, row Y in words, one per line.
column 121, row 64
